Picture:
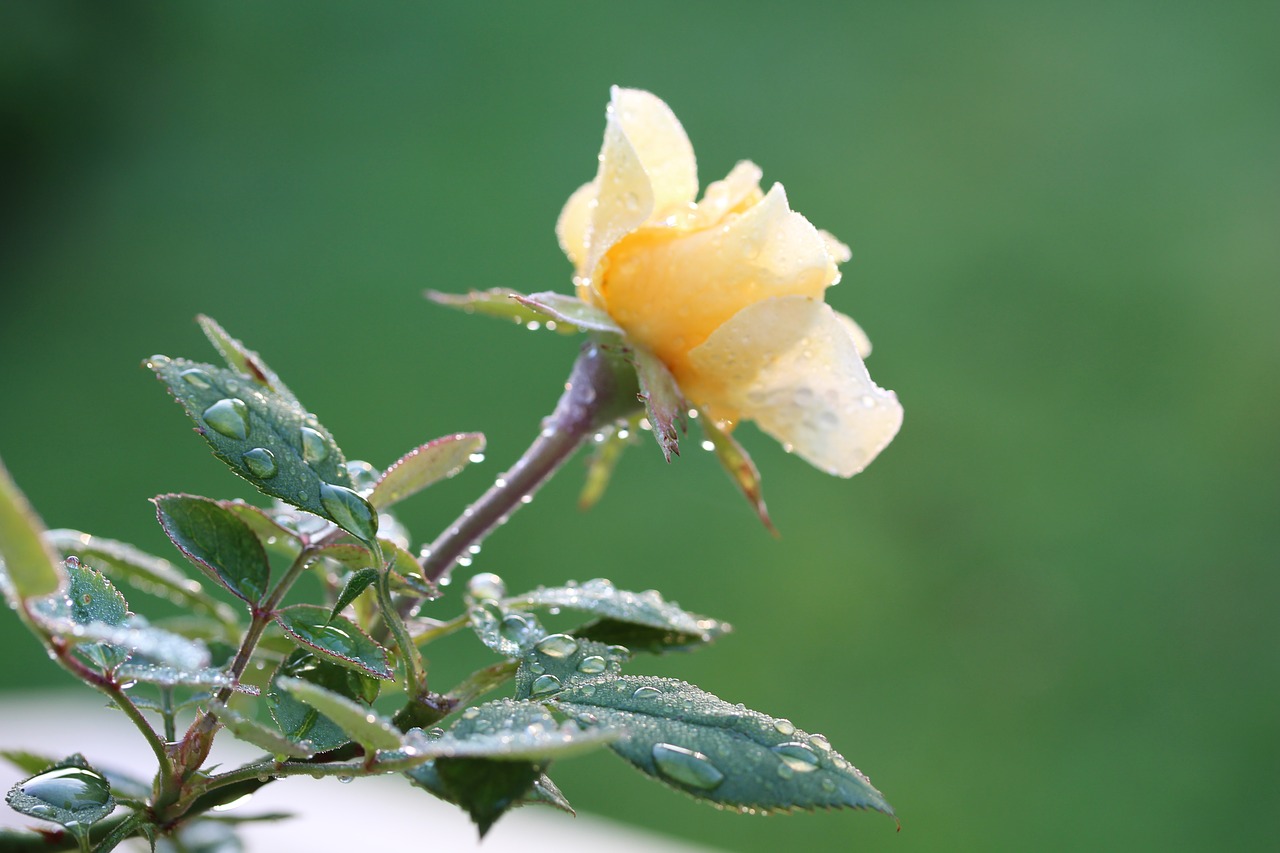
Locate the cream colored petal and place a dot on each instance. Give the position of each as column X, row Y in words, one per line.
column 839, row 251
column 671, row 291
column 739, row 189
column 647, row 171
column 860, row 340
column 571, row 227
column 791, row 365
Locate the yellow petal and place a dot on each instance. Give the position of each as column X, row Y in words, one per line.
column 670, row 290
column 792, row 366
column 647, row 171
column 737, row 191
column 571, row 227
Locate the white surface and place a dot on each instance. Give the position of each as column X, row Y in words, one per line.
column 382, row 813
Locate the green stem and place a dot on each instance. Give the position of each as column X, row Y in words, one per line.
column 120, row 832
column 63, row 653
column 415, row 674
column 595, row 395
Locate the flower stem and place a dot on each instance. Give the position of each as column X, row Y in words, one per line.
column 595, row 395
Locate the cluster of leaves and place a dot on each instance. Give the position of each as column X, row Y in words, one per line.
column 338, row 688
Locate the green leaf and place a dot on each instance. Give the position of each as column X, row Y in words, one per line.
column 716, row 751
column 277, row 540
column 70, row 793
column 423, row 466
column 641, row 638
column 253, row 732
column 217, row 541
column 558, row 661
column 28, row 762
column 243, row 360
column 405, row 571
column 366, row 728
column 601, row 598
column 134, row 636
column 169, row 676
column 301, row 722
column 570, row 313
column 90, row 607
column 497, row 302
column 663, row 402
column 601, row 464
column 738, row 465
column 511, row 730
column 486, row 789
column 28, row 564
column 140, row 570
column 547, row 793
column 358, row 582
column 338, row 639
column 494, row 756
column 268, row 440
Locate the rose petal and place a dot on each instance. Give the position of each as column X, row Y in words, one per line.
column 860, row 340
column 575, row 217
column 792, row 366
column 736, row 192
column 647, row 171
column 670, row 290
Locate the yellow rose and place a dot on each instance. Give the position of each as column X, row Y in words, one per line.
column 727, row 292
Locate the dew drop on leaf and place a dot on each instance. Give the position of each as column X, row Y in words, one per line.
column 544, row 684
column 558, row 646
column 349, row 510
column 314, row 448
column 686, row 766
column 261, row 462
column 229, row 417
column 196, row 378
column 68, row 789
column 798, row 756
column 592, row 664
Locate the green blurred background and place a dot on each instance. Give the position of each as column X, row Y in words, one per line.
column 1045, row 619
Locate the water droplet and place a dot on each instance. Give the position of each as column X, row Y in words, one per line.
column 820, row 742
column 798, row 756
column 363, row 475
column 557, row 645
column 70, row 789
column 829, row 785
column 544, row 684
column 785, row 771
column 350, row 511
column 228, row 416
column 314, row 448
column 516, row 628
column 261, row 462
column 345, row 779
column 73, row 562
column 686, row 766
column 197, row 378
column 784, row 727
column 486, row 586
column 592, row 665
column 646, row 693
column 476, row 457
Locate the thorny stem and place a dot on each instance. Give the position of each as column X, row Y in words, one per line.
column 108, row 685
column 594, row 396
column 194, row 747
